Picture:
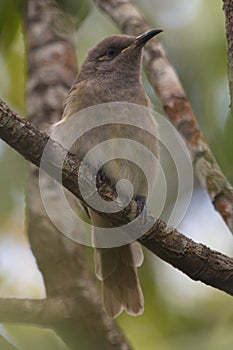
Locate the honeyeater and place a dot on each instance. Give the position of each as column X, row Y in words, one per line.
column 111, row 72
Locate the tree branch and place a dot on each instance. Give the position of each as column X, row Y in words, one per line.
column 228, row 9
column 51, row 69
column 63, row 311
column 167, row 86
column 49, row 311
column 44, row 312
column 195, row 260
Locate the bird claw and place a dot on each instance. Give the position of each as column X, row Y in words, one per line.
column 141, row 207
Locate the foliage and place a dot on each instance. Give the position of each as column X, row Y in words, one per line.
column 9, row 21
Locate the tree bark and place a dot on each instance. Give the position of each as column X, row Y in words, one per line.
column 51, row 67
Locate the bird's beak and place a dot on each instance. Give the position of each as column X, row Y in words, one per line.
column 142, row 39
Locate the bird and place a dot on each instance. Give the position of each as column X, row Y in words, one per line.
column 111, row 72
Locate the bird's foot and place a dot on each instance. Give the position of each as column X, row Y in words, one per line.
column 141, row 207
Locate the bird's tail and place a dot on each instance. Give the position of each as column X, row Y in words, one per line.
column 117, row 268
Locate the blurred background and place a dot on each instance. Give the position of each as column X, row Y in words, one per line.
column 179, row 312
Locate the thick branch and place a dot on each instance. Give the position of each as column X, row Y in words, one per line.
column 228, row 9
column 51, row 68
column 195, row 260
column 167, row 86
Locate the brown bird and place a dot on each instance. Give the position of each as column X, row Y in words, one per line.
column 111, row 72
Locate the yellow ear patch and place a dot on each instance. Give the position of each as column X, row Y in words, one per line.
column 102, row 58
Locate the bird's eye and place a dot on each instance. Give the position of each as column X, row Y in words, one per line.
column 111, row 52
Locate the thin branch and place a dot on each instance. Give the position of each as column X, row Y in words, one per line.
column 196, row 260
column 228, row 9
column 42, row 312
column 167, row 86
column 57, row 311
column 47, row 312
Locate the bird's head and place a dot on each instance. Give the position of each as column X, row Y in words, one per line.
column 116, row 54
